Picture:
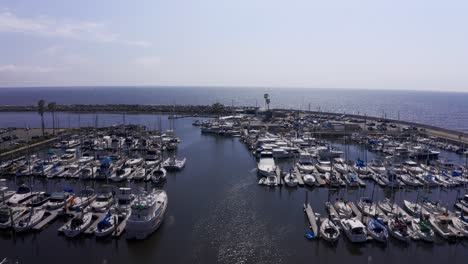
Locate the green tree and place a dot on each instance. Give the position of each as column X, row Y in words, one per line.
column 217, row 108
column 52, row 106
column 41, row 111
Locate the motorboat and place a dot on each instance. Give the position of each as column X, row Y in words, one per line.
column 134, row 162
column 377, row 166
column 309, row 180
column 340, row 166
column 329, row 231
column 398, row 229
column 152, row 158
column 323, row 166
column 304, row 163
column 266, row 164
column 174, row 164
column 354, row 230
column 107, row 225
column 9, row 215
column 68, row 157
column 290, row 179
column 78, row 224
column 409, row 180
column 58, row 200
column 412, row 167
column 29, row 220
column 84, row 198
column 367, row 207
column 158, row 175
column 88, row 172
column 104, row 201
column 343, row 209
column 442, row 225
column 271, row 180
column 71, row 171
column 423, row 230
column 147, row 214
column 38, row 200
column 21, row 195
column 427, row 179
column 121, row 174
column 377, row 230
column 460, row 224
column 5, row 194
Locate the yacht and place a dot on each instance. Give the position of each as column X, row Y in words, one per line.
column 174, row 164
column 280, row 153
column 305, row 164
column 68, row 157
column 147, row 214
column 354, row 230
column 266, row 164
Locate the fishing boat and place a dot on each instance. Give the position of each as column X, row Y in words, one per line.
column 290, row 179
column 377, row 230
column 147, row 214
column 398, row 229
column 329, row 231
column 29, row 220
column 423, row 229
column 158, row 175
column 354, row 230
column 174, row 164
column 78, row 224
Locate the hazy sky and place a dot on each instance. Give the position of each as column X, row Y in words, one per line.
column 394, row 44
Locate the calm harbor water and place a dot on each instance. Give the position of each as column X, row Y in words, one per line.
column 444, row 109
column 219, row 214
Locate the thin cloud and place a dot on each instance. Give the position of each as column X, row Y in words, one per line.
column 149, row 61
column 12, row 68
column 81, row 30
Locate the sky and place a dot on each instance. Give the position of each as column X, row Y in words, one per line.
column 368, row 44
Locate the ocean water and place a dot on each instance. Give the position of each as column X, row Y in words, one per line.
column 217, row 213
column 443, row 109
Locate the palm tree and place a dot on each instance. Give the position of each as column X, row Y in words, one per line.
column 41, row 110
column 52, row 106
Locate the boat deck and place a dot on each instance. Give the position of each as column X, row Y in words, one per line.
column 312, row 219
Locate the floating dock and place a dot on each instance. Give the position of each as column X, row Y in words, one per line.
column 49, row 217
column 97, row 217
column 279, row 175
column 355, row 210
column 312, row 218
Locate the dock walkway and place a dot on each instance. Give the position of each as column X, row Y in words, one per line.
column 312, row 218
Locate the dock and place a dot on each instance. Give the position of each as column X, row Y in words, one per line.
column 279, row 175
column 332, row 212
column 298, row 176
column 312, row 218
column 320, row 182
column 51, row 216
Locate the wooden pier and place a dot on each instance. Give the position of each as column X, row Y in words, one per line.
column 312, row 218
column 355, row 210
column 48, row 219
column 298, row 176
column 97, row 217
column 279, row 175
